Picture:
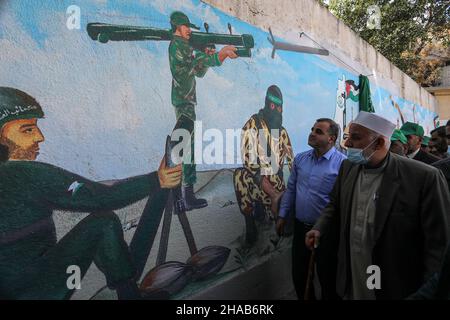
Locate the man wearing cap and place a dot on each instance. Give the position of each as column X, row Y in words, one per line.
column 425, row 144
column 265, row 147
column 185, row 65
column 414, row 133
column 33, row 265
column 399, row 143
column 392, row 214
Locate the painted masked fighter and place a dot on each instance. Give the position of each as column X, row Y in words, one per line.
column 185, row 65
column 33, row 264
column 265, row 146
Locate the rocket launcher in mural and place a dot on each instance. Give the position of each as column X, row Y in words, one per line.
column 103, row 33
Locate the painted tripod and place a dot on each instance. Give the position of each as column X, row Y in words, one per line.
column 175, row 204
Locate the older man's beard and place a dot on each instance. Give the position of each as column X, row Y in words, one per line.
column 17, row 153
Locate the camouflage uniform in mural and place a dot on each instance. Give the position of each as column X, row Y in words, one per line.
column 262, row 161
column 33, row 264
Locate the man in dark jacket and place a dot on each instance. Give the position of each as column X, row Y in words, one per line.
column 415, row 134
column 438, row 286
column 444, row 166
column 392, row 214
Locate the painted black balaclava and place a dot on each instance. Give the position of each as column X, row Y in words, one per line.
column 269, row 113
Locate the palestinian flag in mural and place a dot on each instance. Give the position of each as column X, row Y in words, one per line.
column 351, row 90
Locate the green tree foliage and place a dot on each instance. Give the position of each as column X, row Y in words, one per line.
column 413, row 34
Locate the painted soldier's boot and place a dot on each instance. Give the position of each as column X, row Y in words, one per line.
column 190, row 201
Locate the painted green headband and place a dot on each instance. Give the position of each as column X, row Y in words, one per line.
column 274, row 99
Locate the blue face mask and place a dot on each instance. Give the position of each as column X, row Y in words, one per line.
column 357, row 156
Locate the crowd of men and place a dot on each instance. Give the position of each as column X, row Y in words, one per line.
column 375, row 217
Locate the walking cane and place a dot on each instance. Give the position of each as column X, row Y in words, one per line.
column 310, row 277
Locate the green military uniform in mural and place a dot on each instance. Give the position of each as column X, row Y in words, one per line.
column 33, row 265
column 185, row 66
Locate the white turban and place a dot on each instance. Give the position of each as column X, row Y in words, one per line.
column 375, row 123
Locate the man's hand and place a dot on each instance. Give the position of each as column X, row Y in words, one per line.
column 227, row 52
column 312, row 239
column 169, row 177
column 280, row 226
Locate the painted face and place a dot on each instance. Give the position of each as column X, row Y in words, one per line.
column 319, row 136
column 273, row 114
column 278, row 108
column 22, row 137
column 185, row 32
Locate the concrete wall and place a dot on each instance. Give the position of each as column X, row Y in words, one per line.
column 108, row 111
column 289, row 17
column 442, row 95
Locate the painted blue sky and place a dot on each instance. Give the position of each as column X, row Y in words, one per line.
column 108, row 106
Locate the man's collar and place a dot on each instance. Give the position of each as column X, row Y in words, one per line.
column 412, row 155
column 380, row 167
column 327, row 155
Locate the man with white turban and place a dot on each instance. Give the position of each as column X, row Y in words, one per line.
column 391, row 213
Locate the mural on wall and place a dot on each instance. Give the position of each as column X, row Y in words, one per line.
column 112, row 91
column 346, row 89
column 399, row 111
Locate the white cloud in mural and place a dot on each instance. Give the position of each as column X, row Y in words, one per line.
column 262, row 58
column 188, row 7
column 162, row 6
column 324, row 65
column 316, row 88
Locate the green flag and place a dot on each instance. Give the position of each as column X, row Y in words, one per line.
column 365, row 101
